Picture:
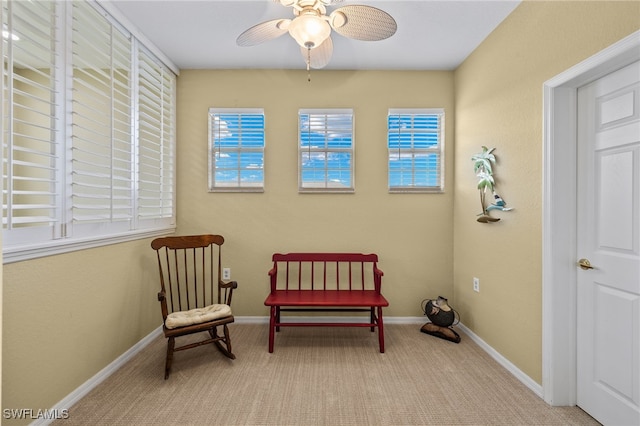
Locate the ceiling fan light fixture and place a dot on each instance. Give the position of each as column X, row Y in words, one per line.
column 309, row 30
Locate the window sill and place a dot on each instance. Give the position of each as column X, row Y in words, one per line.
column 236, row 189
column 34, row 251
column 416, row 191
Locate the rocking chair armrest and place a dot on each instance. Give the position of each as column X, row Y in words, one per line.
column 228, row 291
column 229, row 284
column 162, row 298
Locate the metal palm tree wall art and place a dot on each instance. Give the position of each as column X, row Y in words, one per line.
column 483, row 167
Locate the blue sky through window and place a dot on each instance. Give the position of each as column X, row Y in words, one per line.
column 326, row 149
column 415, row 150
column 237, row 149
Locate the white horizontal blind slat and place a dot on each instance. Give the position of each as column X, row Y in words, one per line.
column 29, row 154
column 102, row 167
column 156, row 139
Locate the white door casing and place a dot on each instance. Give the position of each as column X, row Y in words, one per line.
column 559, row 271
column 608, row 236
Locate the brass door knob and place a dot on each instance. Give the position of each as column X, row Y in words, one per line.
column 584, row 264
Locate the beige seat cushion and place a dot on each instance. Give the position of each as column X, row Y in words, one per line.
column 197, row 316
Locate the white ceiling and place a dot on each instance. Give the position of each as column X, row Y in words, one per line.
column 201, row 34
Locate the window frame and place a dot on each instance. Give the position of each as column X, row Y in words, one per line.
column 64, row 234
column 438, row 151
column 238, row 149
column 326, row 150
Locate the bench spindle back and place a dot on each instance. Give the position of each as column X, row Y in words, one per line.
column 325, row 271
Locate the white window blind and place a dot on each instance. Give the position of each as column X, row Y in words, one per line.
column 101, row 148
column 156, row 140
column 236, row 150
column 416, row 150
column 325, row 150
column 88, row 131
column 30, row 157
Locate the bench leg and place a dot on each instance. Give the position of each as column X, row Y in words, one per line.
column 272, row 327
column 380, row 330
column 373, row 318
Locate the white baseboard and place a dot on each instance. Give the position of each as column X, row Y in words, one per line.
column 90, row 384
column 251, row 320
column 511, row 368
column 99, row 377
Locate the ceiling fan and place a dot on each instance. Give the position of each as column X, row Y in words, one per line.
column 311, row 27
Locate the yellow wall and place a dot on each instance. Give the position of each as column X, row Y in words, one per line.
column 499, row 104
column 66, row 317
column 410, row 232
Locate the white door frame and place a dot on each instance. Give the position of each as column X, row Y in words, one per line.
column 559, row 243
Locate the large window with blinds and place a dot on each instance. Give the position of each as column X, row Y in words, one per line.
column 415, row 140
column 236, row 150
column 88, row 131
column 325, row 150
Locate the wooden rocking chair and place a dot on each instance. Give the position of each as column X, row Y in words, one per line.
column 193, row 296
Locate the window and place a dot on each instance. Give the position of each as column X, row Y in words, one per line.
column 236, row 150
column 415, row 139
column 325, row 150
column 101, row 149
column 32, row 175
column 88, row 131
column 155, row 121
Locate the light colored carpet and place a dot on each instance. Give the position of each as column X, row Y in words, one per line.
column 320, row 376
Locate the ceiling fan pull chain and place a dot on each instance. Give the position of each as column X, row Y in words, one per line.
column 308, row 63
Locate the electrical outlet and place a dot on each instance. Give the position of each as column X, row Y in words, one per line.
column 476, row 284
column 226, row 273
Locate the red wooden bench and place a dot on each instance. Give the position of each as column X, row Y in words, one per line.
column 325, row 282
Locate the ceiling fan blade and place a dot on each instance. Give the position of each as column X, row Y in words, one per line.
column 294, row 2
column 363, row 23
column 263, row 32
column 320, row 56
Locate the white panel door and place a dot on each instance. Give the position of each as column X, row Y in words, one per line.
column 608, row 226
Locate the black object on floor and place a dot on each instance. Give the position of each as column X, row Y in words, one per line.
column 446, row 333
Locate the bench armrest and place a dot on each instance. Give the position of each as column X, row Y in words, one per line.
column 377, row 278
column 273, row 277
